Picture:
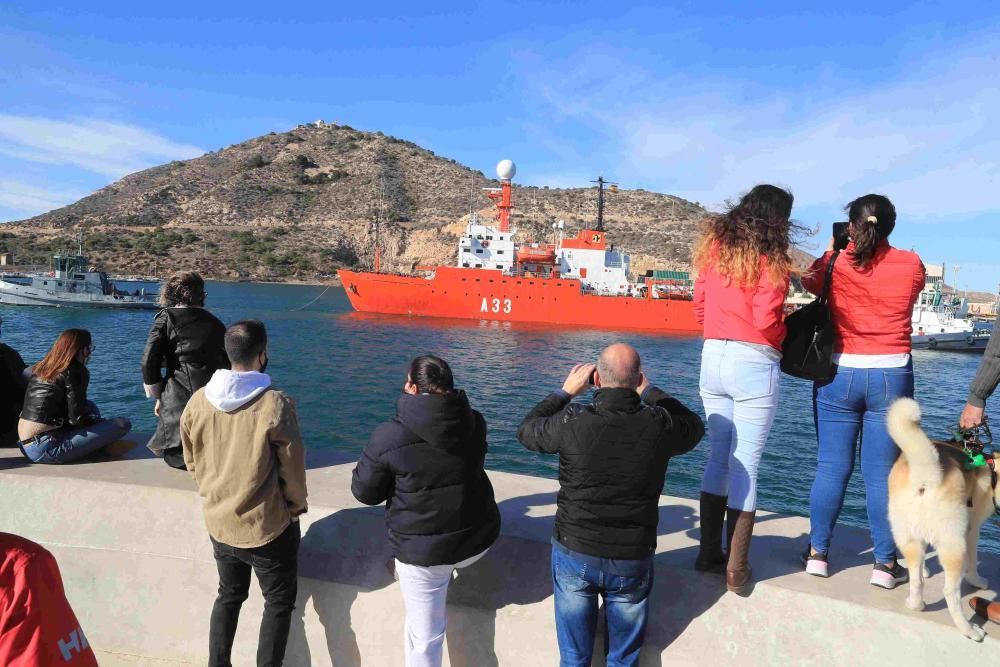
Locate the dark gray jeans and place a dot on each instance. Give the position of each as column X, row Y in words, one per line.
column 276, row 565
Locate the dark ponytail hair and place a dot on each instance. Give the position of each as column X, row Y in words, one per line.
column 432, row 375
column 873, row 217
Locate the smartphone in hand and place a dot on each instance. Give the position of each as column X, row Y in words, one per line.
column 841, row 235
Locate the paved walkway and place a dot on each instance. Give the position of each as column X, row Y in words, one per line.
column 138, row 569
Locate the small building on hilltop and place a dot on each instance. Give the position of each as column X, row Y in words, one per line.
column 6, row 259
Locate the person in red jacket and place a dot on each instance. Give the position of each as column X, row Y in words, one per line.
column 743, row 263
column 37, row 625
column 871, row 301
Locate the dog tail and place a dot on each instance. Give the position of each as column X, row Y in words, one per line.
column 922, row 456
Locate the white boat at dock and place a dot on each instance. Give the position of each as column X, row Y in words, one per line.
column 937, row 319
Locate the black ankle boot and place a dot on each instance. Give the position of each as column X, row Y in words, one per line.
column 711, row 558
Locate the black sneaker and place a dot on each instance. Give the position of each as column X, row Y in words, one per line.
column 889, row 577
column 815, row 564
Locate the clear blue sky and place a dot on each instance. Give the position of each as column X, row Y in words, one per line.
column 700, row 99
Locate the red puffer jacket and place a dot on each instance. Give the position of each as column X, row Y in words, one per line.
column 871, row 308
column 753, row 314
column 37, row 625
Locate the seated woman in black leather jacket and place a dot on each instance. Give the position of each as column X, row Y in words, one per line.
column 58, row 424
column 187, row 341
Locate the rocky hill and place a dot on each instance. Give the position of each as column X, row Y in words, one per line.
column 299, row 205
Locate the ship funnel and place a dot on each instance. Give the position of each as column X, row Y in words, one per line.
column 506, row 170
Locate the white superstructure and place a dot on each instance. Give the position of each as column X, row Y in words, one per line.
column 486, row 247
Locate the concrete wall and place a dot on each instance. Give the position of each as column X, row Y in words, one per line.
column 139, row 572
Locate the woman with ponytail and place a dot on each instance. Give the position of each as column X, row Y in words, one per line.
column 427, row 465
column 871, row 301
column 743, row 263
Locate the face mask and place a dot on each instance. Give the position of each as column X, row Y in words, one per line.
column 263, row 366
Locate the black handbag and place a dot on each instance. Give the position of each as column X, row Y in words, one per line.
column 807, row 352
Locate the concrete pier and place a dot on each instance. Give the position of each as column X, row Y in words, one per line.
column 138, row 570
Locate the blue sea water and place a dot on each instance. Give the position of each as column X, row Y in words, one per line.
column 346, row 369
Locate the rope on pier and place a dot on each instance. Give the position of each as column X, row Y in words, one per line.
column 314, row 300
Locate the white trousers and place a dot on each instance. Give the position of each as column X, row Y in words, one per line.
column 425, row 594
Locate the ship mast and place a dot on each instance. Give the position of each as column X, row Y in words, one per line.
column 613, row 187
column 503, row 198
column 378, row 223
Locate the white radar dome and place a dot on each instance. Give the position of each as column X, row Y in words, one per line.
column 506, row 169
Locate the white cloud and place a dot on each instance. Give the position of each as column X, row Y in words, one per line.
column 928, row 139
column 98, row 146
column 27, row 199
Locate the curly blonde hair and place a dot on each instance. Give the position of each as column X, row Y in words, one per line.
column 758, row 226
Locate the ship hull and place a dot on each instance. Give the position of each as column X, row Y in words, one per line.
column 951, row 342
column 482, row 294
column 13, row 294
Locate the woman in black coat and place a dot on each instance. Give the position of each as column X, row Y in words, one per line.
column 426, row 464
column 187, row 341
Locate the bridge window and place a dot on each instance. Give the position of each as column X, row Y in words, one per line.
column 479, row 266
column 499, row 266
column 499, row 252
column 479, row 251
column 465, row 264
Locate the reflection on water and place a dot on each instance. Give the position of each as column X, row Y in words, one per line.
column 345, row 370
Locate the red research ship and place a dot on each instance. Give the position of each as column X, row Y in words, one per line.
column 579, row 281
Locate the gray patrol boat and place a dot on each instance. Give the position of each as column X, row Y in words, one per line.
column 72, row 285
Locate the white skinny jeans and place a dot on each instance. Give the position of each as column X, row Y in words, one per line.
column 425, row 594
column 739, row 387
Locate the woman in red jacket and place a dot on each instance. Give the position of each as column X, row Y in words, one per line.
column 742, row 263
column 871, row 301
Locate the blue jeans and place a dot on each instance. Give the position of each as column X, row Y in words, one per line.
column 739, row 387
column 850, row 410
column 577, row 579
column 64, row 445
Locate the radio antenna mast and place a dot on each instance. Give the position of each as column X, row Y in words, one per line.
column 378, row 223
column 613, row 187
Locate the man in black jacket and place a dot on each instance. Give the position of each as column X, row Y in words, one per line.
column 613, row 458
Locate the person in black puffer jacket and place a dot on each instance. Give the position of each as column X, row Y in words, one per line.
column 58, row 424
column 426, row 464
column 613, row 459
column 12, row 385
column 188, row 341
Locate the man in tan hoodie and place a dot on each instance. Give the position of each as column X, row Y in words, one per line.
column 242, row 445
